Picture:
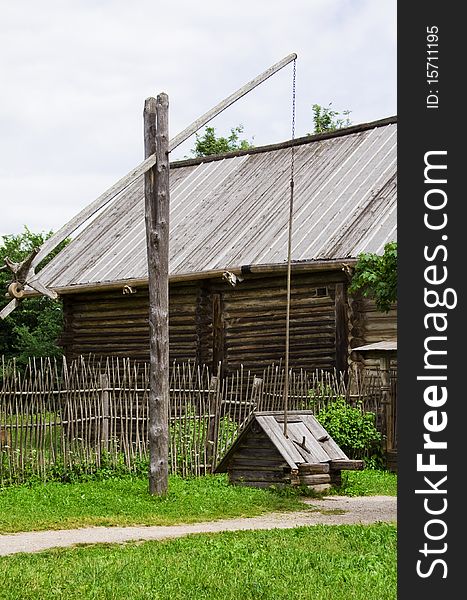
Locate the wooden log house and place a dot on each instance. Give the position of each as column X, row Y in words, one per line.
column 228, row 252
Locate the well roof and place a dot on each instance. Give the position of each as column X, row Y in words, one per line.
column 307, row 441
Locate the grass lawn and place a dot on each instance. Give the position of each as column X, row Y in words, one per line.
column 126, row 501
column 367, row 483
column 323, row 562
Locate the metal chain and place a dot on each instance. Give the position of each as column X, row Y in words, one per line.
column 289, row 253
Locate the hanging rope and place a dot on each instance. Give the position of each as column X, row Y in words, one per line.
column 289, row 257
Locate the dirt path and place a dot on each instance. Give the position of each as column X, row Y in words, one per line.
column 333, row 510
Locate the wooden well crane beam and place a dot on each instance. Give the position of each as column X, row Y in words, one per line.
column 64, row 232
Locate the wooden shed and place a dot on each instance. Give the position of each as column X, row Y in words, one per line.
column 228, row 256
column 263, row 456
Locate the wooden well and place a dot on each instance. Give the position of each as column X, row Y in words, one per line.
column 263, row 456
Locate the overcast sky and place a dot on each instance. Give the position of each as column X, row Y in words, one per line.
column 74, row 76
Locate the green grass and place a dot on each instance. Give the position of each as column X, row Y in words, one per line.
column 126, row 501
column 368, row 482
column 349, row 562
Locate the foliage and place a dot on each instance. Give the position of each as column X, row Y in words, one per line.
column 353, row 430
column 317, row 562
column 125, row 501
column 33, row 327
column 209, row 143
column 326, row 119
column 376, row 277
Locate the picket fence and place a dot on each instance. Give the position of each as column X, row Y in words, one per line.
column 88, row 414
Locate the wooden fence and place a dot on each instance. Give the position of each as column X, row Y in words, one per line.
column 56, row 415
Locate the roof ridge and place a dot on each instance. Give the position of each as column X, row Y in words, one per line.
column 288, row 143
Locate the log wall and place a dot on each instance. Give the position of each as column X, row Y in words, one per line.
column 211, row 321
column 258, row 463
column 253, row 322
column 368, row 325
column 113, row 324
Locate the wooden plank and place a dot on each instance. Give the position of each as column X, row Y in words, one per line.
column 260, row 465
column 259, row 444
column 315, row 453
column 218, row 333
column 186, row 133
column 9, row 308
column 311, row 469
column 318, row 431
column 203, row 318
column 315, row 479
column 352, row 465
column 275, row 434
column 260, row 475
column 270, row 452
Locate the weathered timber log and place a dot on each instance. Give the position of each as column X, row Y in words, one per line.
column 257, row 465
column 267, row 475
column 353, row 465
column 157, row 237
column 322, row 487
column 315, row 479
column 218, row 333
column 312, row 469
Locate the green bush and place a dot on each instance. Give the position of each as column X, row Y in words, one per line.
column 354, row 431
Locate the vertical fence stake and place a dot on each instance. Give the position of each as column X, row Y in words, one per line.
column 213, row 427
column 104, row 383
column 257, row 393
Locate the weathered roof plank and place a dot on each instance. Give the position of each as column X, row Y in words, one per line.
column 233, row 211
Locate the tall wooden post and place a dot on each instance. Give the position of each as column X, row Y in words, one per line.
column 156, row 140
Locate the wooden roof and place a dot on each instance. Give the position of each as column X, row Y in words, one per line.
column 383, row 346
column 230, row 212
column 307, row 442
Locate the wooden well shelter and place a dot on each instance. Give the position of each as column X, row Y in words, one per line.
column 228, row 256
column 263, row 456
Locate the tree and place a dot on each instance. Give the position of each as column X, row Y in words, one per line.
column 209, row 143
column 376, row 277
column 33, row 328
column 324, row 118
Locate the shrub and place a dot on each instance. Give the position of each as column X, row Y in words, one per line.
column 353, row 430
